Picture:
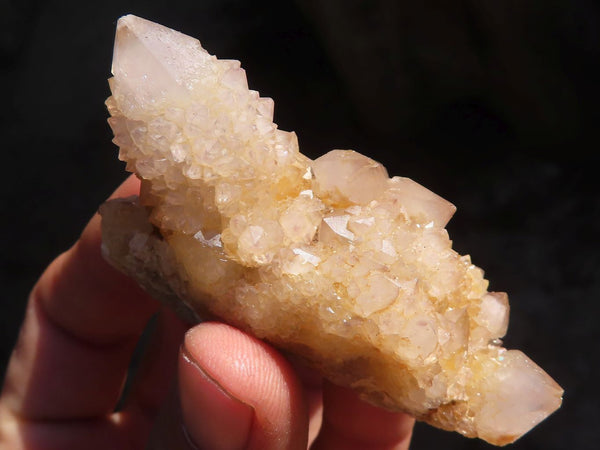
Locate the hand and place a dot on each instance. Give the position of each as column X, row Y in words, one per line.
column 210, row 387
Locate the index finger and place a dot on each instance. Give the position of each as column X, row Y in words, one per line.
column 86, row 296
column 82, row 322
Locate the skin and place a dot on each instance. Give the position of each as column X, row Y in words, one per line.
column 207, row 387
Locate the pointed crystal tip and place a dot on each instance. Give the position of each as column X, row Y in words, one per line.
column 152, row 63
column 515, row 398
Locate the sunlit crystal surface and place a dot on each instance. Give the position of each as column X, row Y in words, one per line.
column 330, row 259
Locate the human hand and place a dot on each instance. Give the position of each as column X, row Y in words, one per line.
column 209, row 387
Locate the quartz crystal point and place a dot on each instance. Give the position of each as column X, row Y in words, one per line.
column 329, row 259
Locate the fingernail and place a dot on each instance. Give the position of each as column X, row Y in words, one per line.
column 213, row 418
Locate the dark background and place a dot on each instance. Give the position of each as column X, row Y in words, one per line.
column 491, row 104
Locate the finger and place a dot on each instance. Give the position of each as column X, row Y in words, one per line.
column 82, row 322
column 89, row 435
column 349, row 423
column 157, row 368
column 236, row 392
column 82, row 294
column 312, row 384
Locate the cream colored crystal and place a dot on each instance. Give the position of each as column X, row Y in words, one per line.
column 329, row 259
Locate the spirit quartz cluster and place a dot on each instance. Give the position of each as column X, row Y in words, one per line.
column 329, row 259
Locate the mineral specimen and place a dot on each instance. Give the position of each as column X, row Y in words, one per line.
column 329, row 259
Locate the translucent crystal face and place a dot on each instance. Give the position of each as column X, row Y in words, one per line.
column 329, row 259
column 346, row 177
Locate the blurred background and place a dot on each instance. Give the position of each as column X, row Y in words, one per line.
column 491, row 104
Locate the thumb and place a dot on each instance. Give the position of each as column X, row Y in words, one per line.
column 213, row 416
column 235, row 392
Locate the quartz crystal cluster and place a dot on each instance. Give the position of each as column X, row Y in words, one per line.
column 329, row 259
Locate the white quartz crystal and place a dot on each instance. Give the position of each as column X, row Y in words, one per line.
column 329, row 259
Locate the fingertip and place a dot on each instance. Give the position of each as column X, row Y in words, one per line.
column 213, row 417
column 90, row 238
column 237, row 392
column 131, row 186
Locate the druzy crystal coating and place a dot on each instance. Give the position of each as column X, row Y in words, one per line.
column 329, row 259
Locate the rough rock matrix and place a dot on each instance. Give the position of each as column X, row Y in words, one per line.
column 329, row 259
